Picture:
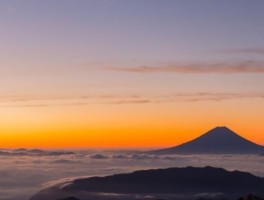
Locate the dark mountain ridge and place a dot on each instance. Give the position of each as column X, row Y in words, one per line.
column 178, row 181
column 220, row 140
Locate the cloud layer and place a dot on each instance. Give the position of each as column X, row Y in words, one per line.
column 24, row 175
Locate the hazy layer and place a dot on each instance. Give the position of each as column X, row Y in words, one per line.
column 24, row 172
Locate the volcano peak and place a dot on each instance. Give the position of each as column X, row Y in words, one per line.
column 219, row 140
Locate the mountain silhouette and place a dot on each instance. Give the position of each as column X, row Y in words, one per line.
column 159, row 183
column 220, row 140
column 69, row 198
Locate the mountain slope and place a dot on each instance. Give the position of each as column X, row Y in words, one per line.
column 220, row 140
column 159, row 183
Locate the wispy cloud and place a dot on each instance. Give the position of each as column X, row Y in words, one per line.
column 198, row 68
column 208, row 96
column 52, row 97
column 68, row 100
column 82, row 100
column 250, row 50
column 137, row 101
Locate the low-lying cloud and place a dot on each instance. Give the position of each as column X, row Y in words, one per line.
column 34, row 152
column 24, row 175
column 99, row 156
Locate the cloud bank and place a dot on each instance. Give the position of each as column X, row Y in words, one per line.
column 22, row 176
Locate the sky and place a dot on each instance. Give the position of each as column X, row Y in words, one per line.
column 125, row 74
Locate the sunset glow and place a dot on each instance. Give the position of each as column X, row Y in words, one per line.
column 90, row 74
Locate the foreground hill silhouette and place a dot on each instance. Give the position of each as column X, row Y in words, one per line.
column 171, row 183
column 220, row 140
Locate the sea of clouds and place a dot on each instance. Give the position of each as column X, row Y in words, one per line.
column 23, row 172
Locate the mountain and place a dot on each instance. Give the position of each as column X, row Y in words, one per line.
column 220, row 140
column 69, row 198
column 171, row 183
column 250, row 197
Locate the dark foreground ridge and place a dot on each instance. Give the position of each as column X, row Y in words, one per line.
column 171, row 183
column 246, row 197
column 220, row 140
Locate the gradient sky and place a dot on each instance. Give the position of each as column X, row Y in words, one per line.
column 115, row 73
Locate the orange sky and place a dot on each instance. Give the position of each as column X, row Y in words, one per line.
column 126, row 125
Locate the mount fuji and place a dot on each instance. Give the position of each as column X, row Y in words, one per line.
column 220, row 140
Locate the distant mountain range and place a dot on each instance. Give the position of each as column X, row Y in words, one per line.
column 171, row 183
column 220, row 140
